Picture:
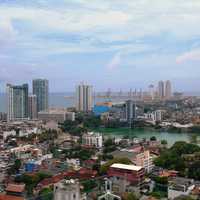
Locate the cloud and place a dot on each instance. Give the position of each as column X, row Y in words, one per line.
column 7, row 32
column 115, row 61
column 193, row 55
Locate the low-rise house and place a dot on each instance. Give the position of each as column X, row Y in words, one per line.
column 82, row 174
column 74, row 163
column 179, row 186
column 15, row 189
column 10, row 197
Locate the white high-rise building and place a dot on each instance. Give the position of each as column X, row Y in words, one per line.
column 17, row 102
column 168, row 90
column 84, row 98
column 41, row 90
column 161, row 89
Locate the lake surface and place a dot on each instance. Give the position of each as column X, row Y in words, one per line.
column 145, row 133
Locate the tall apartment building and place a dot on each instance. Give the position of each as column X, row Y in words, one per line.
column 32, row 106
column 161, row 89
column 130, row 111
column 17, row 102
column 41, row 90
column 168, row 90
column 151, row 91
column 84, row 98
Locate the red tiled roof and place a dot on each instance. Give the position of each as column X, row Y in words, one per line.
column 10, row 197
column 83, row 173
column 15, row 188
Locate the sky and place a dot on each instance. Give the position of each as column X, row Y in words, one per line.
column 117, row 44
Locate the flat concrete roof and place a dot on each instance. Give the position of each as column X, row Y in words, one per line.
column 128, row 167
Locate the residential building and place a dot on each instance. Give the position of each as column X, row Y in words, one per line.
column 158, row 115
column 17, row 102
column 15, row 189
column 130, row 111
column 145, row 160
column 168, row 90
column 151, row 92
column 179, row 186
column 92, row 139
column 10, row 197
column 3, row 116
column 161, row 90
column 41, row 90
column 84, row 98
column 32, row 106
column 137, row 155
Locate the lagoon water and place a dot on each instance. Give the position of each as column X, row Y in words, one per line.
column 146, row 133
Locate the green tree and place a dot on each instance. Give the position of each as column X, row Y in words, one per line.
column 153, row 138
column 46, row 194
column 193, row 170
column 164, row 142
column 131, row 196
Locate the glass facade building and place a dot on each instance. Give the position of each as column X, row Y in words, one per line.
column 17, row 102
column 41, row 90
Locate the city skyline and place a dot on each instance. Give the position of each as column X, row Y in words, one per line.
column 101, row 42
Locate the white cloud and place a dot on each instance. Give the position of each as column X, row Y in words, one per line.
column 7, row 32
column 193, row 55
column 115, row 61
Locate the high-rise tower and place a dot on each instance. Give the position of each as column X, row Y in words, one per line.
column 168, row 90
column 41, row 90
column 84, row 98
column 161, row 89
column 32, row 107
column 17, row 102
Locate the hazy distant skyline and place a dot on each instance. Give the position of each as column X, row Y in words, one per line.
column 107, row 43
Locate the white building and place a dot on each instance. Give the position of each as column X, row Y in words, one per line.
column 57, row 115
column 67, row 190
column 156, row 116
column 84, row 98
column 73, row 162
column 179, row 186
column 6, row 134
column 93, row 139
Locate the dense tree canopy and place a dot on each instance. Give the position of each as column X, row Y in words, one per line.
column 173, row 158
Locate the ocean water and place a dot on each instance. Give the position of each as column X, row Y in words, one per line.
column 63, row 100
column 55, row 100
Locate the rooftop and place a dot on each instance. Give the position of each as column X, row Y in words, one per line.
column 10, row 197
column 128, row 167
column 15, row 188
